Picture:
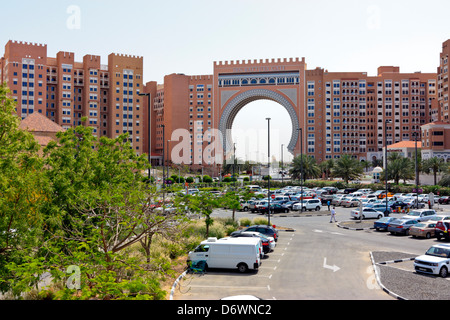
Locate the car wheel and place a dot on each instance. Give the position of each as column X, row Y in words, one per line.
column 363, row 217
column 245, row 209
column 438, row 238
column 317, row 208
column 286, row 210
column 428, row 235
column 406, row 232
column 242, row 268
column 379, row 217
column 443, row 272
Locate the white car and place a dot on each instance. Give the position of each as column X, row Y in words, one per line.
column 309, row 204
column 367, row 213
column 435, row 261
column 420, row 215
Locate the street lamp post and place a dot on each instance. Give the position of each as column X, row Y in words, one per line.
column 386, row 164
column 301, row 167
column 164, row 156
column 149, row 135
column 234, row 165
column 416, row 134
column 168, row 167
column 282, row 171
column 268, row 175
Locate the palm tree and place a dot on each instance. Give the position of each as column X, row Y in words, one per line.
column 347, row 168
column 434, row 165
column 400, row 168
column 326, row 167
column 310, row 168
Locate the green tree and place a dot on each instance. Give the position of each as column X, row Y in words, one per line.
column 347, row 168
column 310, row 168
column 326, row 167
column 203, row 203
column 97, row 208
column 231, row 200
column 433, row 165
column 21, row 188
column 400, row 168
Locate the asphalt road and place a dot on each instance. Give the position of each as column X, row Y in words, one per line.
column 317, row 261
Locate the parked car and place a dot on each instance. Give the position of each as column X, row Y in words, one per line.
column 424, row 229
column 397, row 204
column 444, row 200
column 420, row 214
column 267, row 242
column 351, row 202
column 350, row 190
column 257, row 204
column 289, row 204
column 439, row 218
column 336, row 199
column 245, row 205
column 367, row 213
column 310, row 204
column 382, row 195
column 342, row 200
column 274, row 208
column 435, row 261
column 401, row 226
column 383, row 223
column 264, row 229
column 382, row 207
column 442, row 230
column 412, row 203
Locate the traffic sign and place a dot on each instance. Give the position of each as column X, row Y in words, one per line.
column 273, row 196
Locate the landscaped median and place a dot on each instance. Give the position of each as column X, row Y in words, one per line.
column 356, row 224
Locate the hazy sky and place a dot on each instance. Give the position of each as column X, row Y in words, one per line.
column 188, row 36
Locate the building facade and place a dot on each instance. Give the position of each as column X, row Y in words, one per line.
column 335, row 113
column 65, row 90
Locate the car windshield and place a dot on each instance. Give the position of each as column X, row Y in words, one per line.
column 438, row 252
column 414, row 213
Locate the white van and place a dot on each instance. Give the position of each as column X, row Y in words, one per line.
column 229, row 253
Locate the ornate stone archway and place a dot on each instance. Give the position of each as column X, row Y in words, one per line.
column 237, row 103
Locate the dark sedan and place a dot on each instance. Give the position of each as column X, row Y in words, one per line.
column 289, row 204
column 274, row 208
column 265, row 241
column 444, row 200
column 397, row 204
column 383, row 223
column 264, row 229
column 401, row 226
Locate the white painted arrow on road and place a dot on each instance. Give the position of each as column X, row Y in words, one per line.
column 334, row 268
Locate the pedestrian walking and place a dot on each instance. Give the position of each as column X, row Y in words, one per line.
column 328, row 203
column 333, row 215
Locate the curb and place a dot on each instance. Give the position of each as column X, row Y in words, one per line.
column 396, row 261
column 357, row 229
column 176, row 283
column 377, row 276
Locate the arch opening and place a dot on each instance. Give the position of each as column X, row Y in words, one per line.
column 238, row 103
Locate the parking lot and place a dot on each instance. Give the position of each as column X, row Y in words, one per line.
column 216, row 284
